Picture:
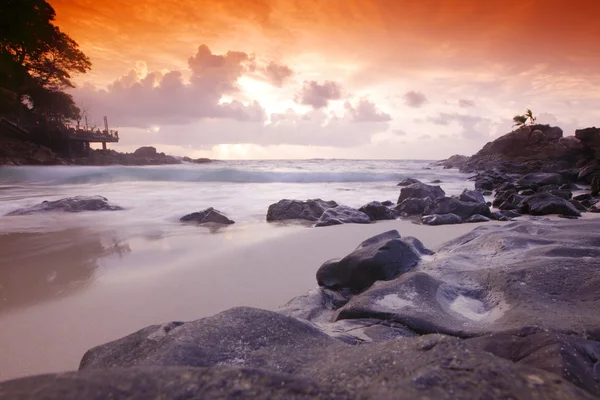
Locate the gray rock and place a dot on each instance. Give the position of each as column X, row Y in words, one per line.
column 70, row 204
column 413, row 206
column 408, row 181
column 441, row 219
column 450, row 205
column 472, row 196
column 420, row 191
column 426, row 367
column 540, row 179
column 504, row 215
column 546, row 203
column 342, row 215
column 577, row 205
column 209, row 215
column 310, row 210
column 380, row 258
column 377, row 211
column 478, row 218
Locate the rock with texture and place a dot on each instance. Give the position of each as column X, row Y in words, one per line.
column 377, row 211
column 540, row 179
column 420, row 191
column 207, row 216
column 309, row 210
column 546, row 203
column 472, row 196
column 413, row 206
column 70, row 204
column 441, row 219
column 342, row 215
column 408, row 181
column 450, row 205
column 380, row 258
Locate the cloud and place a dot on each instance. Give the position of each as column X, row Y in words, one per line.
column 318, row 95
column 471, row 126
column 366, row 111
column 399, row 132
column 277, row 74
column 414, row 99
column 143, row 99
column 463, row 103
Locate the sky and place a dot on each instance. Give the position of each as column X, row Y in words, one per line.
column 278, row 79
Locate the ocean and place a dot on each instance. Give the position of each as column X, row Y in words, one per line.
column 243, row 190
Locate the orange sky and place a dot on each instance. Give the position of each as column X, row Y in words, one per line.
column 367, row 46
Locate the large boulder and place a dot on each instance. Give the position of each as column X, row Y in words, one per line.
column 310, row 210
column 70, row 204
column 207, row 216
column 420, row 191
column 590, row 137
column 413, row 206
column 377, row 211
column 471, row 196
column 455, row 161
column 547, row 203
column 451, row 205
column 342, row 215
column 540, row 179
column 380, row 258
column 441, row 219
column 146, row 151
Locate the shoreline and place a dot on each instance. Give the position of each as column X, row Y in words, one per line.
column 149, row 280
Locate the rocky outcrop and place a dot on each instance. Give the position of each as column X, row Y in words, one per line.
column 377, row 211
column 540, row 179
column 380, row 258
column 143, row 156
column 455, row 161
column 197, row 160
column 69, row 204
column 420, row 191
column 309, row 210
column 547, row 203
column 207, row 216
column 530, row 149
column 19, row 152
column 590, row 138
column 342, row 215
column 450, row 205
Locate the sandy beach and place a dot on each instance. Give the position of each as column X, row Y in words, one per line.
column 67, row 291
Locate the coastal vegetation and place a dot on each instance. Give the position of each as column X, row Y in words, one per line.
column 37, row 64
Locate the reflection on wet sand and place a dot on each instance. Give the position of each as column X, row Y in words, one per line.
column 38, row 267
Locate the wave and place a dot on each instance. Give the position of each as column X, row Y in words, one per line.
column 96, row 175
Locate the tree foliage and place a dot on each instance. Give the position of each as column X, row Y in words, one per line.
column 527, row 118
column 37, row 60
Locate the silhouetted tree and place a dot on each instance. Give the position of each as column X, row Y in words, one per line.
column 521, row 120
column 35, row 54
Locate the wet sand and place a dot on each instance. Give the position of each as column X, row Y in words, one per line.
column 66, row 291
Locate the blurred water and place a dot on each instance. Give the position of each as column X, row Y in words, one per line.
column 160, row 195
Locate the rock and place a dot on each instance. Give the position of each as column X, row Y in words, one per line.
column 581, row 197
column 540, row 179
column 484, row 183
column 472, row 196
column 342, row 215
column 450, row 205
column 546, row 203
column 146, row 151
column 502, row 196
column 197, row 160
column 594, row 208
column 588, row 172
column 209, row 215
column 70, row 204
column 388, row 203
column 567, row 356
column 380, row 258
column 408, row 181
column 563, row 194
column 578, row 205
column 413, row 206
column 310, row 210
column 441, row 219
column 496, row 278
column 426, row 367
column 420, row 191
column 512, row 202
column 436, row 181
column 527, row 192
column 569, row 187
column 455, row 161
column 590, row 137
column 485, row 192
column 377, row 211
column 490, row 180
column 478, row 218
column 595, row 186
